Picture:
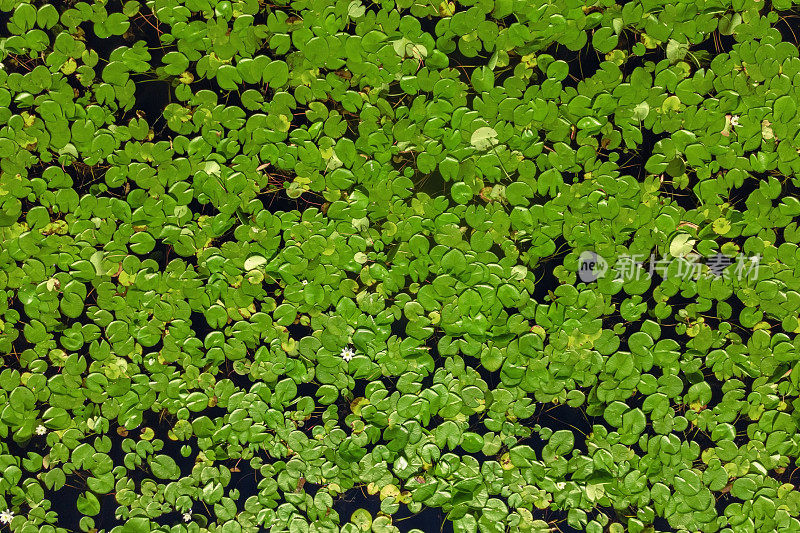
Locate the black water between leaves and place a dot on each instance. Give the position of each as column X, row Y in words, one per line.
column 152, row 96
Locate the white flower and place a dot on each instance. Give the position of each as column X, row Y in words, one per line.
column 348, row 354
column 735, row 121
column 305, row 282
column 187, row 517
column 41, row 430
column 6, row 516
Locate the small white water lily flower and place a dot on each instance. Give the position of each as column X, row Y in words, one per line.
column 187, row 517
column 6, row 517
column 41, row 430
column 348, row 354
column 735, row 121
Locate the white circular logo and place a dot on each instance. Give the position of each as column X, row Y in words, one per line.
column 591, row 266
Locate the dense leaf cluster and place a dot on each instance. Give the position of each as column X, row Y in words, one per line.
column 259, row 256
